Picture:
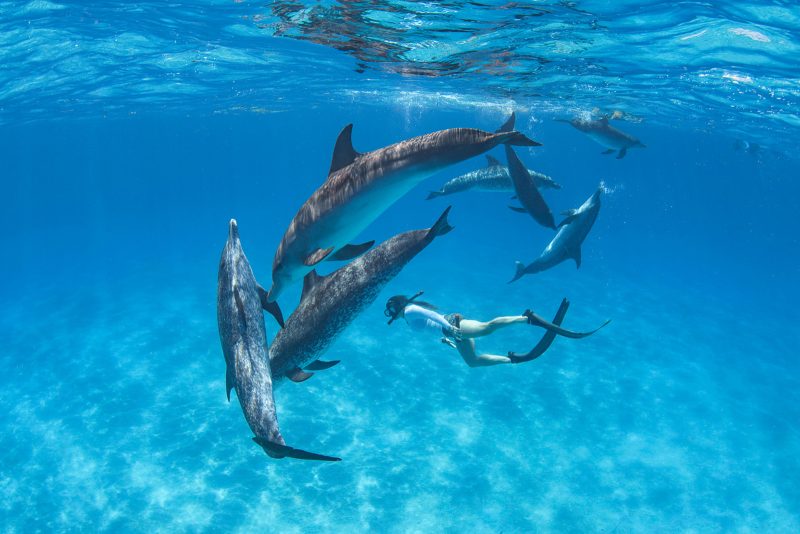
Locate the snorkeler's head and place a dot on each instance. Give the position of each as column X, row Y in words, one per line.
column 396, row 304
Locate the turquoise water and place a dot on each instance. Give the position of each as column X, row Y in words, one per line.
column 130, row 135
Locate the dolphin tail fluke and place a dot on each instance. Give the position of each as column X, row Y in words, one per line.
column 547, row 338
column 276, row 450
column 434, row 194
column 271, row 307
column 537, row 320
column 441, row 226
column 516, row 138
column 520, row 271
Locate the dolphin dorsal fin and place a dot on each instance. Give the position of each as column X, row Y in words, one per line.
column 492, row 161
column 509, row 124
column 309, row 282
column 343, row 152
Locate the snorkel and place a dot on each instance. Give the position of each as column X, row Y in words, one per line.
column 397, row 304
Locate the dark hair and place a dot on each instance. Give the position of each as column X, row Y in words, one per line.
column 398, row 303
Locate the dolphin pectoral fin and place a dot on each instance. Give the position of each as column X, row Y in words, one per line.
column 520, row 272
column 547, row 339
column 609, row 151
column 298, row 375
column 514, row 197
column 320, row 365
column 229, row 381
column 537, row 320
column 518, row 210
column 276, row 450
column 271, row 307
column 348, row 252
column 317, row 256
column 508, row 126
column 569, row 216
column 622, row 153
column 576, row 255
column 343, row 152
column 492, row 161
column 434, row 194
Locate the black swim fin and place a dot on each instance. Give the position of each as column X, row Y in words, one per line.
column 547, row 338
column 537, row 320
column 276, row 450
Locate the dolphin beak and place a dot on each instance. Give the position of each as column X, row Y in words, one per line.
column 233, row 230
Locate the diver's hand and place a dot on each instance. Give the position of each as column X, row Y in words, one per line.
column 456, row 333
column 448, row 341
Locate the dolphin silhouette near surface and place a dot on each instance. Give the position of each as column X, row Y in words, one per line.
column 360, row 187
column 601, row 132
column 244, row 345
column 567, row 242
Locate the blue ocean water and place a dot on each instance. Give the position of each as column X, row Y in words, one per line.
column 130, row 135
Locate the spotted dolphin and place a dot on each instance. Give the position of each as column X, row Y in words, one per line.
column 567, row 242
column 601, row 132
column 493, row 177
column 360, row 187
column 244, row 345
column 330, row 303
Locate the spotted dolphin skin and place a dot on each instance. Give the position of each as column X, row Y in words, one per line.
column 360, row 187
column 601, row 132
column 493, row 177
column 330, row 303
column 244, row 344
column 567, row 242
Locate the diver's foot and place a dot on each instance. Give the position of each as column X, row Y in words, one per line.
column 514, row 358
column 529, row 315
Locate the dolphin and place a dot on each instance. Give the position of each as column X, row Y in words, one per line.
column 606, row 135
column 360, row 187
column 493, row 177
column 529, row 196
column 330, row 303
column 567, row 242
column 244, row 345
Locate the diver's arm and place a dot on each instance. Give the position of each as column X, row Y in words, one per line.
column 419, row 318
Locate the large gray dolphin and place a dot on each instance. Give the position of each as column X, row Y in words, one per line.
column 493, row 177
column 330, row 303
column 360, row 187
column 244, row 344
column 606, row 135
column 567, row 242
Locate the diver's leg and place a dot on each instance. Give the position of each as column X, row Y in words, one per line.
column 472, row 329
column 466, row 348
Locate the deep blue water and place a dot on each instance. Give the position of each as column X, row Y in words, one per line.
column 130, row 135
